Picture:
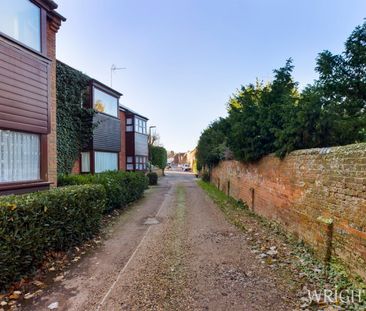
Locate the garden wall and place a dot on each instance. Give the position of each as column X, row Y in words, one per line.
column 318, row 194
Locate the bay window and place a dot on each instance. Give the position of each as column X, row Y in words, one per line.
column 141, row 163
column 19, row 156
column 105, row 103
column 21, row 20
column 106, row 161
column 129, row 125
column 140, row 126
column 129, row 163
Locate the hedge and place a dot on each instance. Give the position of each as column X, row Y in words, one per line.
column 54, row 220
column 121, row 188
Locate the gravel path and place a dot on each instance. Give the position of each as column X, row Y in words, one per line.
column 173, row 251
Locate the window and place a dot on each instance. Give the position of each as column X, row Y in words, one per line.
column 129, row 128
column 140, row 126
column 106, row 161
column 85, row 162
column 128, row 121
column 141, row 162
column 21, row 20
column 19, row 156
column 129, row 163
column 105, row 103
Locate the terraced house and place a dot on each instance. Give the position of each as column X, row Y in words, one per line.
column 28, row 95
column 119, row 140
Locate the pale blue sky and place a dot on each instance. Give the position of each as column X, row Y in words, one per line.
column 185, row 58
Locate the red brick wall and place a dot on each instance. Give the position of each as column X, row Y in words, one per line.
column 306, row 190
column 76, row 169
column 122, row 153
column 51, row 138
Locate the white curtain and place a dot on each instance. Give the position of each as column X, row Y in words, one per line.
column 19, row 156
column 85, row 162
column 106, row 161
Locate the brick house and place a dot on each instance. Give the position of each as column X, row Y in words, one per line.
column 115, row 138
column 28, row 95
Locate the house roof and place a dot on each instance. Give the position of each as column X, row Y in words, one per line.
column 51, row 6
column 105, row 88
column 124, row 108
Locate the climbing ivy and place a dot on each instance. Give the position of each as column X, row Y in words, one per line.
column 74, row 123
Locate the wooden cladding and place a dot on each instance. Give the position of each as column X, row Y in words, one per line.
column 141, row 144
column 24, row 89
column 107, row 134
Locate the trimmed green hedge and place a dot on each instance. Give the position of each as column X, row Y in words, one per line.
column 153, row 178
column 53, row 220
column 121, row 188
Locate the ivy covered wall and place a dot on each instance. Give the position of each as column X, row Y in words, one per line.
column 74, row 123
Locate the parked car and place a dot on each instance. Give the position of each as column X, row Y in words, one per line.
column 186, row 168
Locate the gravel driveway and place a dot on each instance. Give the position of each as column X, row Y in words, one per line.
column 173, row 250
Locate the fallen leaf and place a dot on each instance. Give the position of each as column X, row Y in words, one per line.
column 14, row 296
column 28, row 296
column 39, row 284
column 58, row 278
column 38, row 292
column 53, row 305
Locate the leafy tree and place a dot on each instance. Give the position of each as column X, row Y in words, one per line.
column 342, row 79
column 246, row 138
column 282, row 109
column 159, row 157
column 261, row 116
column 212, row 145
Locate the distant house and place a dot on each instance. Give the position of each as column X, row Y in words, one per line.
column 180, row 158
column 137, row 150
column 28, row 95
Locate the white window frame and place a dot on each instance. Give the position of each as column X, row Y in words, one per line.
column 140, row 125
column 38, row 45
column 85, row 162
column 100, row 170
column 110, row 113
column 20, row 157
